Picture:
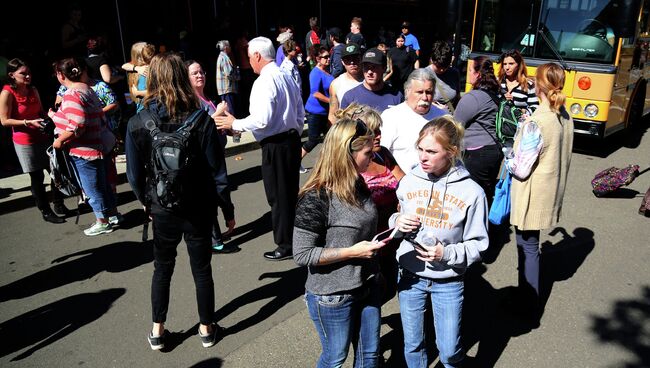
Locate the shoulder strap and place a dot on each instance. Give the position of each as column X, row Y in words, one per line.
column 189, row 122
column 150, row 121
column 496, row 100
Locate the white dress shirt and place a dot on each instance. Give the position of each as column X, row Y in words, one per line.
column 275, row 105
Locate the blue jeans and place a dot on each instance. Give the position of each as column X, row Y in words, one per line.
column 447, row 302
column 317, row 125
column 94, row 182
column 344, row 318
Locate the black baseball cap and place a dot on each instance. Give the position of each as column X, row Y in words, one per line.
column 350, row 49
column 374, row 56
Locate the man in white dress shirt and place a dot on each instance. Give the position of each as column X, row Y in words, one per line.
column 276, row 120
column 402, row 123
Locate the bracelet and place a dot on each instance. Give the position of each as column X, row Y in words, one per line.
column 134, row 69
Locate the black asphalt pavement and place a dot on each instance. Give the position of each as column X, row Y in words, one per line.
column 67, row 300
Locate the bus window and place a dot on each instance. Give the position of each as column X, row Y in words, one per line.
column 505, row 25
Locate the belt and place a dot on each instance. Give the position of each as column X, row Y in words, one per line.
column 277, row 138
column 441, row 281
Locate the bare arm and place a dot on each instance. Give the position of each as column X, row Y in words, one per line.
column 363, row 249
column 321, row 97
column 6, row 103
column 390, row 69
column 334, row 105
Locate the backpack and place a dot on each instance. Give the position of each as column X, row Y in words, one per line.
column 613, row 178
column 63, row 174
column 170, row 158
column 65, row 177
column 507, row 120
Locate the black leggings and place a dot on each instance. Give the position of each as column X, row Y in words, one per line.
column 38, row 191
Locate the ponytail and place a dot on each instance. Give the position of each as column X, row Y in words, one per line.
column 486, row 79
column 550, row 81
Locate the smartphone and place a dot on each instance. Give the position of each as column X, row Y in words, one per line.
column 388, row 234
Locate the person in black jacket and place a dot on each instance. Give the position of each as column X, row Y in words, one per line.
column 170, row 102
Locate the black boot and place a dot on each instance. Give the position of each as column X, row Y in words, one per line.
column 61, row 210
column 49, row 216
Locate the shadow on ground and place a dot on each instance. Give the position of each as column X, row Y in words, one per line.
column 488, row 318
column 50, row 323
column 116, row 257
column 628, row 325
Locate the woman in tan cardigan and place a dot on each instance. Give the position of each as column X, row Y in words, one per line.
column 542, row 155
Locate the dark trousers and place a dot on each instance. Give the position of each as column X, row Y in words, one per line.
column 483, row 165
column 233, row 103
column 280, row 173
column 317, row 125
column 168, row 229
column 38, row 191
column 528, row 259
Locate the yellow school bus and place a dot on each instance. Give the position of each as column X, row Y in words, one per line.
column 602, row 44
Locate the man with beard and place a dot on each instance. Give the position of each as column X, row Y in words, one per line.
column 402, row 123
column 373, row 92
column 351, row 57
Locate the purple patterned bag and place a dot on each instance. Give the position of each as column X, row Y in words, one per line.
column 613, row 178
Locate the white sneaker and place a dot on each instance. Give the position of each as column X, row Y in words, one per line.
column 99, row 228
column 116, row 220
column 303, row 170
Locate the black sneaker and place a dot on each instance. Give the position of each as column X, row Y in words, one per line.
column 61, row 210
column 211, row 339
column 157, row 342
column 49, row 216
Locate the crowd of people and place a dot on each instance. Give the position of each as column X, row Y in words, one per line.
column 402, row 152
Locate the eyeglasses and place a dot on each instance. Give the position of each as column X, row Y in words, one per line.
column 361, row 130
column 325, row 56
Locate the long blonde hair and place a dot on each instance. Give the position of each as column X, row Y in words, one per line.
column 141, row 54
column 335, row 171
column 169, row 83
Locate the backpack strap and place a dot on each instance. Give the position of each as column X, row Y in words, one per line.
column 150, row 121
column 189, row 122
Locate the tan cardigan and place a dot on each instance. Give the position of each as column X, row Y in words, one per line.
column 537, row 200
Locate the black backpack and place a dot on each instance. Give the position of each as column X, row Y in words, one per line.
column 170, row 158
column 507, row 120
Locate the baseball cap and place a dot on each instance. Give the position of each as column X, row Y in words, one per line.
column 374, row 56
column 350, row 49
column 284, row 36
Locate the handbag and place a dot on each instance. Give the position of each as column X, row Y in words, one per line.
column 500, row 209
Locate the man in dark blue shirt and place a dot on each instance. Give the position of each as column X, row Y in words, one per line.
column 373, row 91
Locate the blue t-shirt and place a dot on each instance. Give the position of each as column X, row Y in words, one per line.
column 319, row 81
column 411, row 42
column 141, row 86
column 380, row 100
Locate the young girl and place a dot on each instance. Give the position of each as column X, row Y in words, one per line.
column 443, row 214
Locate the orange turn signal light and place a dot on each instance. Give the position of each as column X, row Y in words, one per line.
column 584, row 83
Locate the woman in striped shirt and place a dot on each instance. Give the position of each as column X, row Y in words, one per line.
column 83, row 131
column 515, row 84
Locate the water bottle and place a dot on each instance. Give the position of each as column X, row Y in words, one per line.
column 429, row 239
column 236, row 136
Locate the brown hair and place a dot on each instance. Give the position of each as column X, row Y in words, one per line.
column 448, row 133
column 486, row 79
column 288, row 46
column 72, row 68
column 522, row 74
column 357, row 21
column 169, row 83
column 550, row 81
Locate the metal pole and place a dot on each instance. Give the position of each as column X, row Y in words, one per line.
column 257, row 32
column 119, row 25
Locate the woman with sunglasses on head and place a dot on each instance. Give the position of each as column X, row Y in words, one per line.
column 515, row 86
column 443, row 216
column 317, row 105
column 539, row 165
column 21, row 109
column 335, row 221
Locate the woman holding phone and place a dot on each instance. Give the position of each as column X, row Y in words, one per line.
column 335, row 219
column 443, row 220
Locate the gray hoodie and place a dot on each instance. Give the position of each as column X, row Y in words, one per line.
column 457, row 215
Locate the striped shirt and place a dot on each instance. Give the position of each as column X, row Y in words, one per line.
column 226, row 75
column 523, row 100
column 81, row 113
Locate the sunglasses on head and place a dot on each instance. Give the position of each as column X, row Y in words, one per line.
column 361, row 130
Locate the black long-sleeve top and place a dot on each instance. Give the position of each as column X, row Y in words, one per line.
column 208, row 178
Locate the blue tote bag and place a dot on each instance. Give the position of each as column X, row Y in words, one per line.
column 500, row 209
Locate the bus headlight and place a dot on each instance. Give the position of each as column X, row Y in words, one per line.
column 576, row 109
column 591, row 110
